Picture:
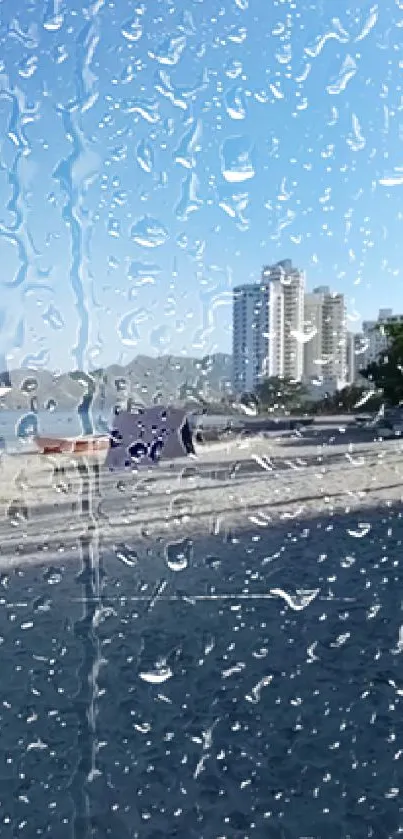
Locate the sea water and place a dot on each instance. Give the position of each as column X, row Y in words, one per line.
column 17, row 428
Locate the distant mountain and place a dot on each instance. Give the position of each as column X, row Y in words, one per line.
column 145, row 380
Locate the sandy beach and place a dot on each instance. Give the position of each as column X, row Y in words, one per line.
column 247, row 482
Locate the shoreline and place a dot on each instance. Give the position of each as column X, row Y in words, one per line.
column 252, row 482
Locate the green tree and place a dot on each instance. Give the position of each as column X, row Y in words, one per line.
column 386, row 373
column 277, row 394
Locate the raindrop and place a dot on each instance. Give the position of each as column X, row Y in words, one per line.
column 256, row 691
column 29, row 385
column 234, row 205
column 234, row 69
column 52, row 576
column 369, row 24
column 158, row 676
column 299, row 601
column 347, row 71
column 17, row 513
column 143, row 273
column 28, row 67
column 145, row 156
column 235, row 103
column 237, row 35
column 53, row 318
column 146, row 108
column 42, row 604
column 186, row 22
column 27, row 426
column 356, row 140
column 160, row 338
column 337, row 33
column 127, row 329
column 304, row 337
column 399, row 646
column 178, row 555
column 393, row 179
column 213, row 562
column 188, row 145
column 149, row 232
column 236, row 164
column 189, row 201
column 126, row 554
column 132, row 30
column 138, row 451
column 36, row 360
column 361, row 531
column 53, row 23
column 169, row 51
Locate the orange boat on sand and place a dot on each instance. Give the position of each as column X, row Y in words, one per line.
column 72, row 445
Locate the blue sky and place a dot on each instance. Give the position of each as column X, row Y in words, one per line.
column 154, row 155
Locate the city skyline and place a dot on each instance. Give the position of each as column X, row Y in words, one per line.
column 281, row 330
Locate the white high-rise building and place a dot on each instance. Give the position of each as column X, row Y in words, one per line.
column 325, row 347
column 286, row 320
column 351, row 359
column 375, row 339
column 313, row 329
column 249, row 335
column 268, row 320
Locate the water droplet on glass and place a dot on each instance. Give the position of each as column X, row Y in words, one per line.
column 160, row 338
column 299, row 601
column 53, row 318
column 42, row 604
column 29, row 385
column 28, row 67
column 362, row 530
column 158, row 676
column 35, row 361
column 188, row 145
column 170, row 50
column 189, row 201
column 145, row 156
column 347, row 71
column 50, row 405
column 178, row 555
column 235, row 103
column 236, row 164
column 143, row 273
column 53, row 23
column 52, row 576
column 17, row 513
column 27, row 426
column 337, row 33
column 146, row 108
column 126, row 554
column 149, row 232
column 127, row 329
column 213, row 562
column 132, row 30
column 393, row 179
column 369, row 24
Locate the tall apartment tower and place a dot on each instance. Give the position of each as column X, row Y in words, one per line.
column 375, row 339
column 325, row 353
column 351, row 362
column 286, row 321
column 268, row 322
column 249, row 335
